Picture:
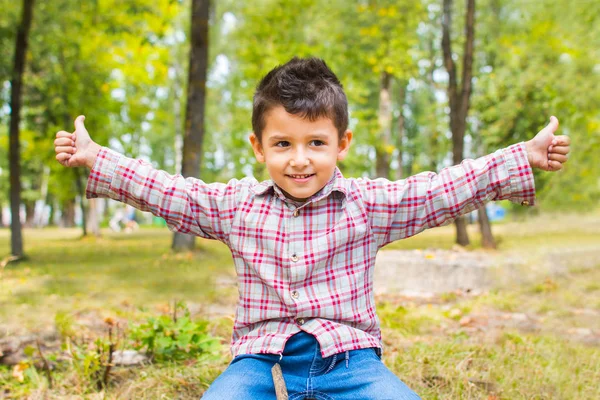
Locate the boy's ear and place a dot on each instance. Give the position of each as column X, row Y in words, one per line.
column 257, row 147
column 344, row 145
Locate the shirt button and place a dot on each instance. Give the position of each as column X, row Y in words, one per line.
column 296, row 213
column 294, row 257
column 524, row 203
column 300, row 321
column 295, row 294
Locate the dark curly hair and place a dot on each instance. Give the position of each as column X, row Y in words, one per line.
column 305, row 87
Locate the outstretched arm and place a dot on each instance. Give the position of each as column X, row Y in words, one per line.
column 189, row 205
column 406, row 207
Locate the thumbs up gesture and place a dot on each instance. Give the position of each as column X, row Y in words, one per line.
column 546, row 150
column 76, row 149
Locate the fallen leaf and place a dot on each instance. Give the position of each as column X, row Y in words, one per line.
column 18, row 370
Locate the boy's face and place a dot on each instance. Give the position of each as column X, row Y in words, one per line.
column 300, row 154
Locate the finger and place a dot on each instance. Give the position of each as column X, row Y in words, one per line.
column 558, row 157
column 562, row 140
column 65, row 149
column 63, row 157
column 553, row 125
column 79, row 122
column 554, row 165
column 63, row 134
column 65, row 141
column 560, row 149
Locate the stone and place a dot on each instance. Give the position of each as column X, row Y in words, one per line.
column 128, row 357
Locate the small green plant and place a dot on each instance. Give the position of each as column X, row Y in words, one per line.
column 169, row 338
column 92, row 361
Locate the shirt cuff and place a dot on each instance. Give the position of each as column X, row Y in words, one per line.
column 520, row 174
column 101, row 175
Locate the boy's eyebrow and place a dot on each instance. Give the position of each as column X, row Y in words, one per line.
column 278, row 137
column 315, row 135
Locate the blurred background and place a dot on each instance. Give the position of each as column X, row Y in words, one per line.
column 124, row 64
column 429, row 83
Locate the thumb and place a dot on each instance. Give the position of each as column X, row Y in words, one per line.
column 553, row 125
column 79, row 123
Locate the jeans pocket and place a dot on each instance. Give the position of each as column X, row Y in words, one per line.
column 377, row 351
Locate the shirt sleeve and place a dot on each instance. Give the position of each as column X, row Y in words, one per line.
column 188, row 205
column 403, row 208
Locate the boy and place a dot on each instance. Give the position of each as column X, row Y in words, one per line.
column 304, row 242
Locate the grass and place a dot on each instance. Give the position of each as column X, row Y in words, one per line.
column 529, row 340
column 64, row 272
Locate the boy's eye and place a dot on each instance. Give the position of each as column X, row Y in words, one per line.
column 282, row 143
column 318, row 143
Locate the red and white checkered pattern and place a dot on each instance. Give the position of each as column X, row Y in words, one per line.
column 310, row 266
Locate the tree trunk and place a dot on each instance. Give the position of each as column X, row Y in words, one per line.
column 68, row 214
column 81, row 192
column 459, row 99
column 29, row 213
column 401, row 101
column 40, row 205
column 194, row 113
column 51, row 215
column 15, row 117
column 106, row 211
column 382, row 163
column 487, row 239
column 93, row 223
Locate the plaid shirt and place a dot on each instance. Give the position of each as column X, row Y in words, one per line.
column 310, row 266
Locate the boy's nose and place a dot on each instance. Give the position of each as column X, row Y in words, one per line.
column 299, row 160
column 293, row 163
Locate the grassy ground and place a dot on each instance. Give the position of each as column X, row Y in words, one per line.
column 538, row 339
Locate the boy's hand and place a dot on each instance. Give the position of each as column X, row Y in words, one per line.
column 76, row 149
column 546, row 150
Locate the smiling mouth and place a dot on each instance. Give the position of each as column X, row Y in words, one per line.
column 301, row 176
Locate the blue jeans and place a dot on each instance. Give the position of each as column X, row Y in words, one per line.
column 356, row 374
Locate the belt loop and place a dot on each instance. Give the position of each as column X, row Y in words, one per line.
column 347, row 359
column 280, row 358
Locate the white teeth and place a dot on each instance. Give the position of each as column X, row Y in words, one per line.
column 300, row 176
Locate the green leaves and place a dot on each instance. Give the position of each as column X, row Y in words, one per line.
column 169, row 339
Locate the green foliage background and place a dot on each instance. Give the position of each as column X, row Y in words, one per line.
column 124, row 65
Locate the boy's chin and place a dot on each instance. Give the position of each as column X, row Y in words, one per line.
column 299, row 196
column 300, row 199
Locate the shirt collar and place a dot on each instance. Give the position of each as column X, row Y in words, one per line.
column 336, row 183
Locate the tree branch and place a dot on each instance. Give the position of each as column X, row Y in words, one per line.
column 447, row 50
column 467, row 73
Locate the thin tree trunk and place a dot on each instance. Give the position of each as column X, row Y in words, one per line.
column 487, row 239
column 29, row 213
column 40, row 204
column 106, row 210
column 382, row 163
column 51, row 215
column 400, row 139
column 81, row 192
column 194, row 113
column 93, row 224
column 15, row 118
column 68, row 214
column 485, row 227
column 459, row 98
column 177, row 102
